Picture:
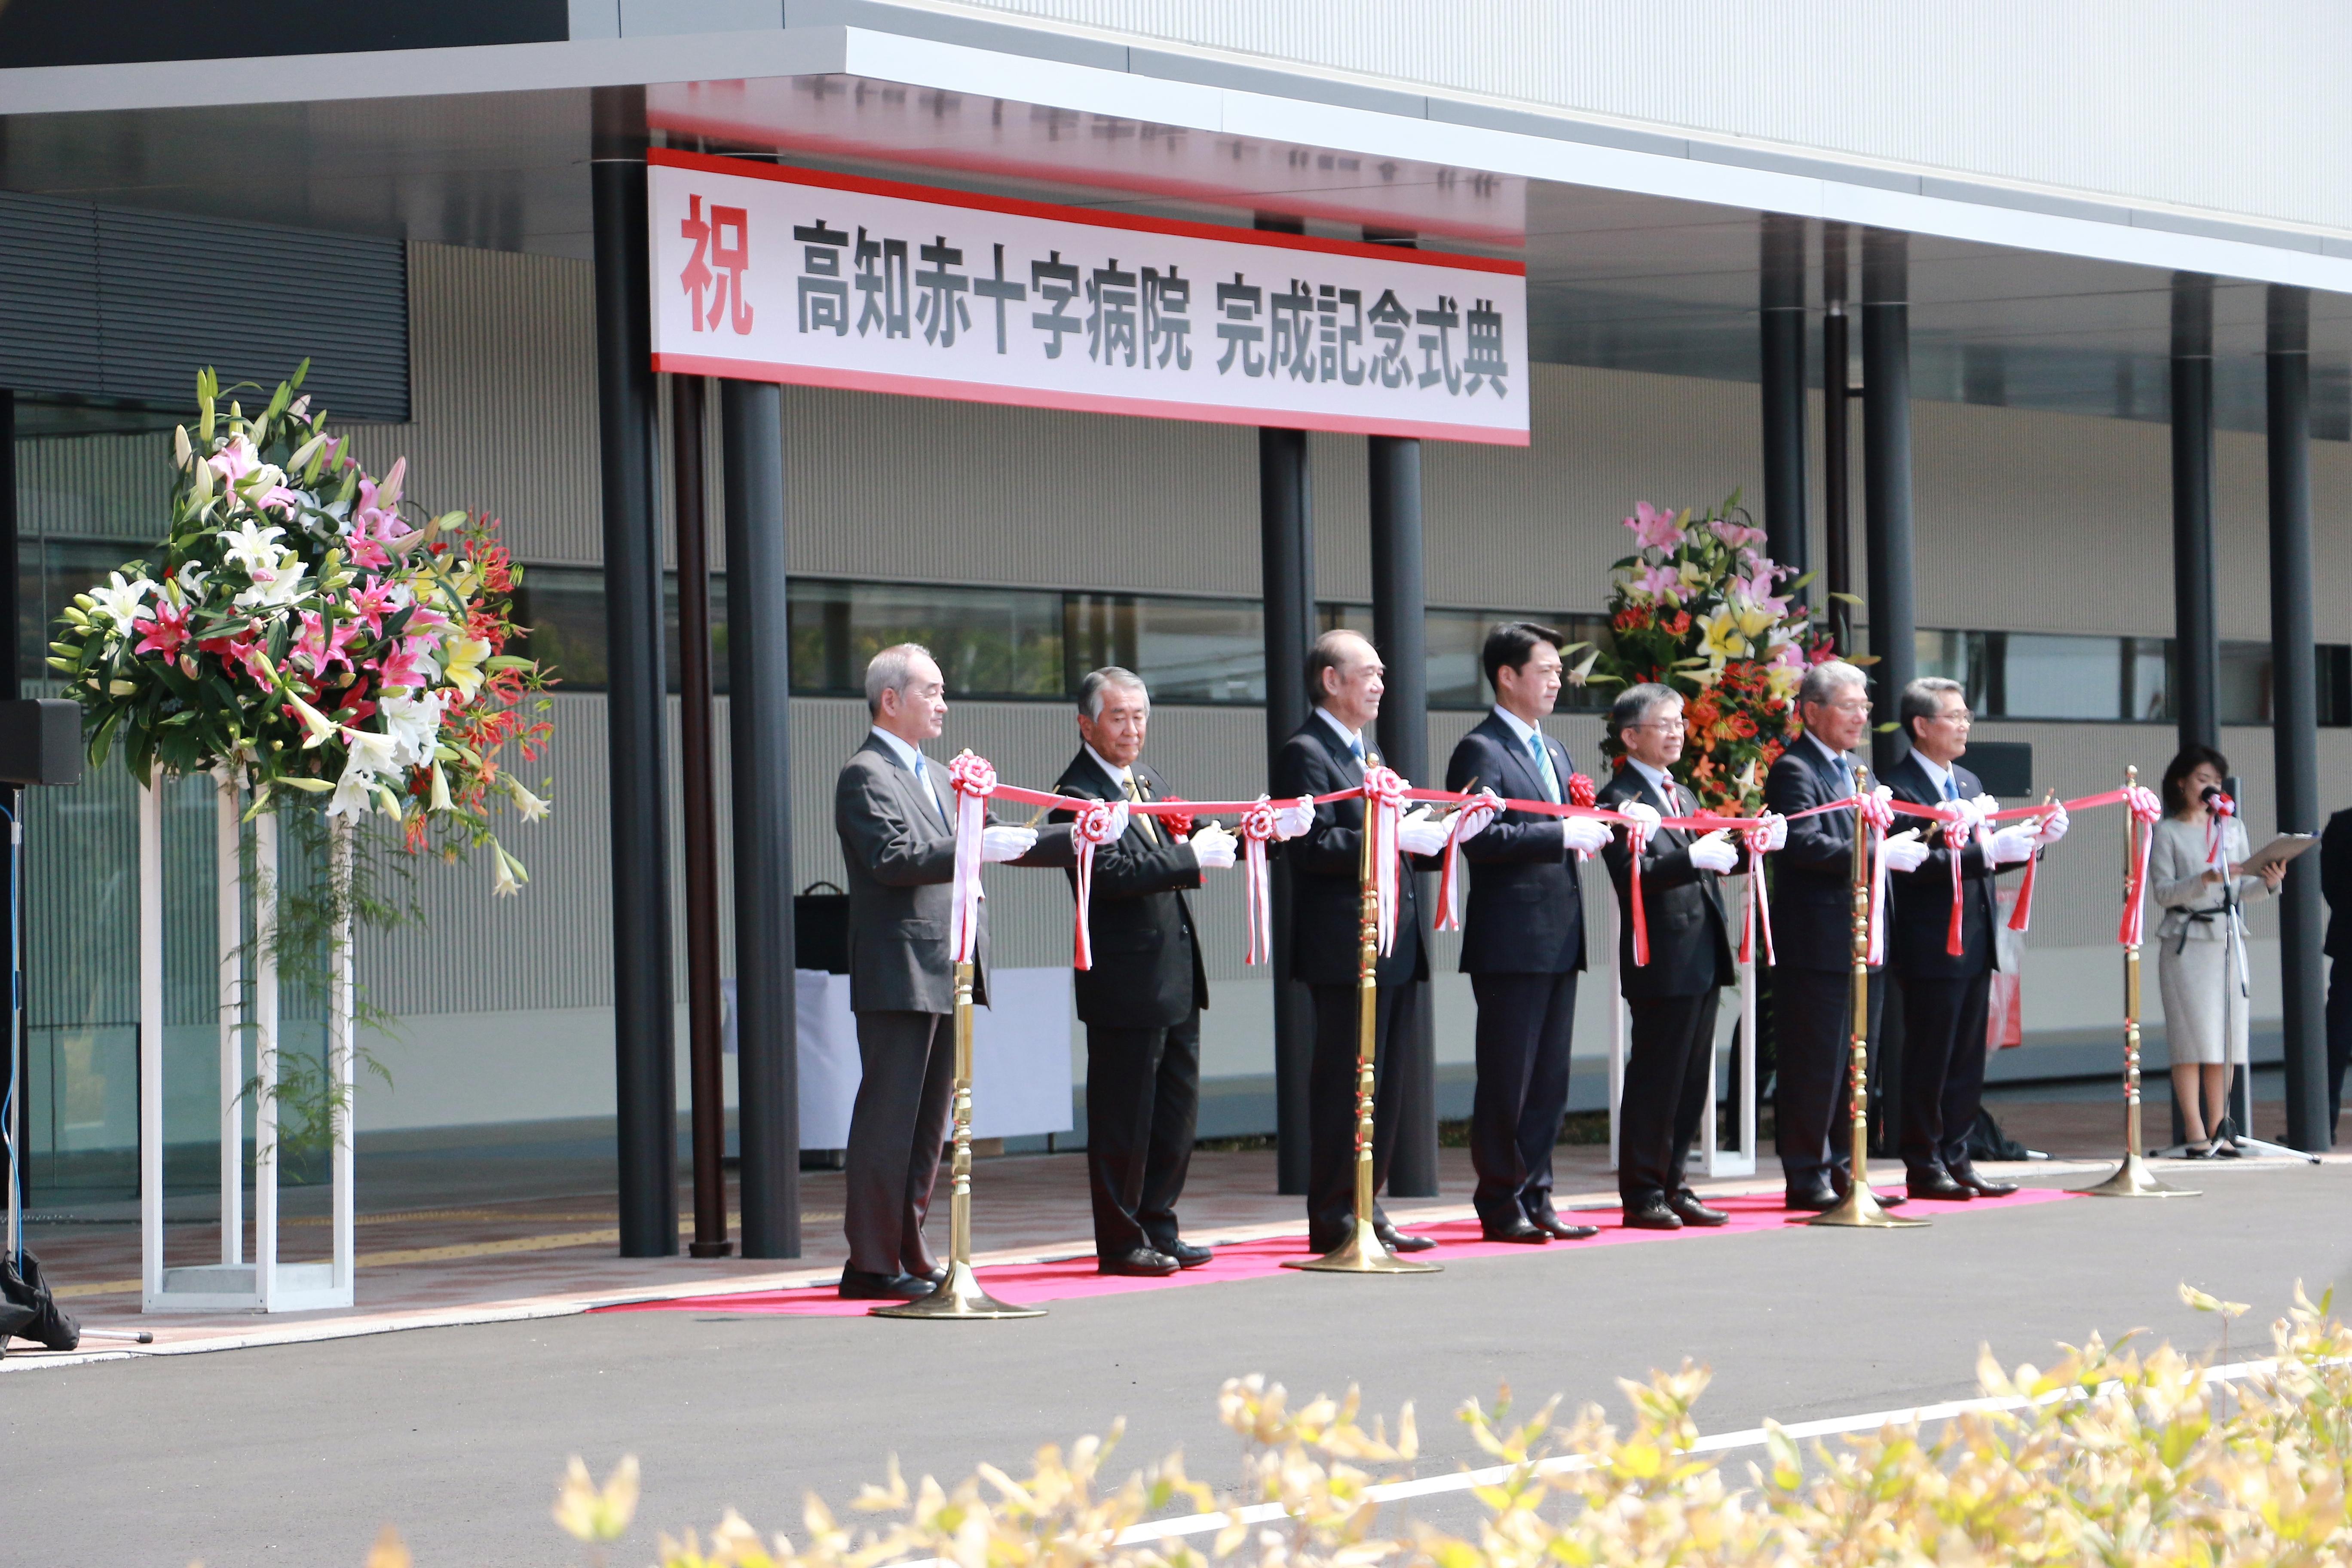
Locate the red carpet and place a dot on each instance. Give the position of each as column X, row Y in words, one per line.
column 1029, row 1283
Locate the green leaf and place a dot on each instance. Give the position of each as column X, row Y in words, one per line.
column 1847, row 598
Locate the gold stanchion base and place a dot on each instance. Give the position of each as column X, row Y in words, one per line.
column 1861, row 1209
column 2133, row 1179
column 1362, row 1253
column 958, row 1296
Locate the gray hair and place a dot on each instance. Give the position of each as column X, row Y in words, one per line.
column 1826, row 679
column 1920, row 700
column 890, row 670
column 1636, row 703
column 1097, row 681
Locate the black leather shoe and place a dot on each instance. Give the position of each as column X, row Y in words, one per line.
column 1818, row 1200
column 1142, row 1262
column 1983, row 1186
column 1939, row 1183
column 1398, row 1241
column 1651, row 1214
column 1840, row 1183
column 858, row 1285
column 1690, row 1210
column 1525, row 1232
column 936, row 1275
column 1553, row 1225
column 1186, row 1254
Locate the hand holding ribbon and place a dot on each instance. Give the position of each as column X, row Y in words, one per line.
column 1259, row 824
column 1098, row 823
column 1468, row 823
column 1384, row 793
column 1760, row 838
column 1641, row 821
column 2146, row 810
column 973, row 781
column 1874, row 813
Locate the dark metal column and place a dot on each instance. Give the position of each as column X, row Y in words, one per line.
column 644, row 1046
column 759, row 705
column 706, row 1067
column 1886, row 478
column 1400, row 630
column 1837, row 411
column 2295, row 714
column 2196, row 635
column 16, row 1056
column 1286, row 536
column 1781, row 308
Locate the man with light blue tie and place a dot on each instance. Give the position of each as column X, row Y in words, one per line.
column 1522, row 936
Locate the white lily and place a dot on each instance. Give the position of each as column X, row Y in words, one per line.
column 413, row 723
column 321, row 727
column 182, row 454
column 502, row 877
column 252, row 548
column 274, row 588
column 119, row 601
column 439, row 800
column 527, row 806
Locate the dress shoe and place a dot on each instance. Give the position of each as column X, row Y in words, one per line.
column 1690, row 1210
column 1553, row 1225
column 1396, row 1240
column 1983, row 1186
column 1523, row 1231
column 936, row 1275
column 1840, row 1183
column 1819, row 1200
column 1939, row 1183
column 1140, row 1262
column 1186, row 1254
column 1651, row 1214
column 859, row 1285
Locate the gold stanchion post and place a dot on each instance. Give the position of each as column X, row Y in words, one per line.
column 1364, row 1252
column 1860, row 1207
column 959, row 1294
column 2133, row 1178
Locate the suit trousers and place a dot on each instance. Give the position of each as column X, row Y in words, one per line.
column 1669, row 1073
column 1143, row 1096
column 1943, row 1027
column 1331, row 1104
column 897, row 1130
column 1812, row 1028
column 2339, row 1036
column 1522, row 1092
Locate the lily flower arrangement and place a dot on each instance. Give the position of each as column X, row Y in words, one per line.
column 1699, row 609
column 303, row 624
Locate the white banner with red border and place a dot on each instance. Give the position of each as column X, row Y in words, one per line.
column 767, row 273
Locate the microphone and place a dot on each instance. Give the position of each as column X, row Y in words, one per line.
column 2209, row 794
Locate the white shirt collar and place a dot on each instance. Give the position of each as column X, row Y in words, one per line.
column 1822, row 746
column 1937, row 774
column 1117, row 774
column 899, row 748
column 1518, row 727
column 1355, row 738
column 1659, row 780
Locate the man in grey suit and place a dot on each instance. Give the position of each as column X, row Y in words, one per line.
column 897, row 823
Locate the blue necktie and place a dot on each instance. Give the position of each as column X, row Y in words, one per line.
column 1951, row 790
column 1356, row 748
column 923, row 778
column 1544, row 770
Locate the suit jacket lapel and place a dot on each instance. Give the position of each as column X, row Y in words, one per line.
column 911, row 788
column 1515, row 756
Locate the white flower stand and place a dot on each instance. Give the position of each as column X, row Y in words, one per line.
column 1714, row 1162
column 232, row 1285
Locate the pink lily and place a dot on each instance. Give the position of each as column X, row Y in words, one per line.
column 235, row 460
column 323, row 645
column 1654, row 529
column 167, row 629
column 1736, row 535
column 374, row 602
column 1661, row 582
column 398, row 666
column 1757, row 589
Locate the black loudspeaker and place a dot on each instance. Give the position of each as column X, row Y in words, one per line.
column 40, row 742
column 2005, row 767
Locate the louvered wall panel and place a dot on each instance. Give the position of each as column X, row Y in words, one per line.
column 48, row 312
column 95, row 486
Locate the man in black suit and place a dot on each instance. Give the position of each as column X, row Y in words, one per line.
column 1141, row 1001
column 1945, row 997
column 1812, row 936
column 1522, row 937
column 1670, row 1058
column 2336, row 885
column 891, row 807
column 1328, row 753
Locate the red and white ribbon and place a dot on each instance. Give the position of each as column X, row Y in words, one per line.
column 1757, row 909
column 2217, row 831
column 1449, row 882
column 1877, row 813
column 1581, row 792
column 1257, row 883
column 2145, row 809
column 1957, row 830
column 1637, row 841
column 1384, row 794
column 2022, row 917
column 1089, row 830
column 973, row 782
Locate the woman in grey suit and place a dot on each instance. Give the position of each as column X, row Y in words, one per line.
column 2199, row 972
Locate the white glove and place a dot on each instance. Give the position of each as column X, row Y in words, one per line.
column 1477, row 814
column 999, row 842
column 1983, row 805
column 1905, row 854
column 1421, row 836
column 1290, row 821
column 1779, row 834
column 1213, row 847
column 1714, row 853
column 1642, row 812
column 1120, row 817
column 2052, row 831
column 1585, row 835
column 2010, row 845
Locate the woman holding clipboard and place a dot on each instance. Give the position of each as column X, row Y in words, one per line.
column 2194, row 872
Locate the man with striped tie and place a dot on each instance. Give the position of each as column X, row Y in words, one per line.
column 1522, row 937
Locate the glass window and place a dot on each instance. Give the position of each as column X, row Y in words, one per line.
column 2245, row 694
column 2060, row 677
column 2148, row 668
column 990, row 642
column 1187, row 650
column 561, row 609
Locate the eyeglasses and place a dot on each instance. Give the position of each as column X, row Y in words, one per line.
column 1957, row 716
column 1861, row 707
column 1665, row 725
